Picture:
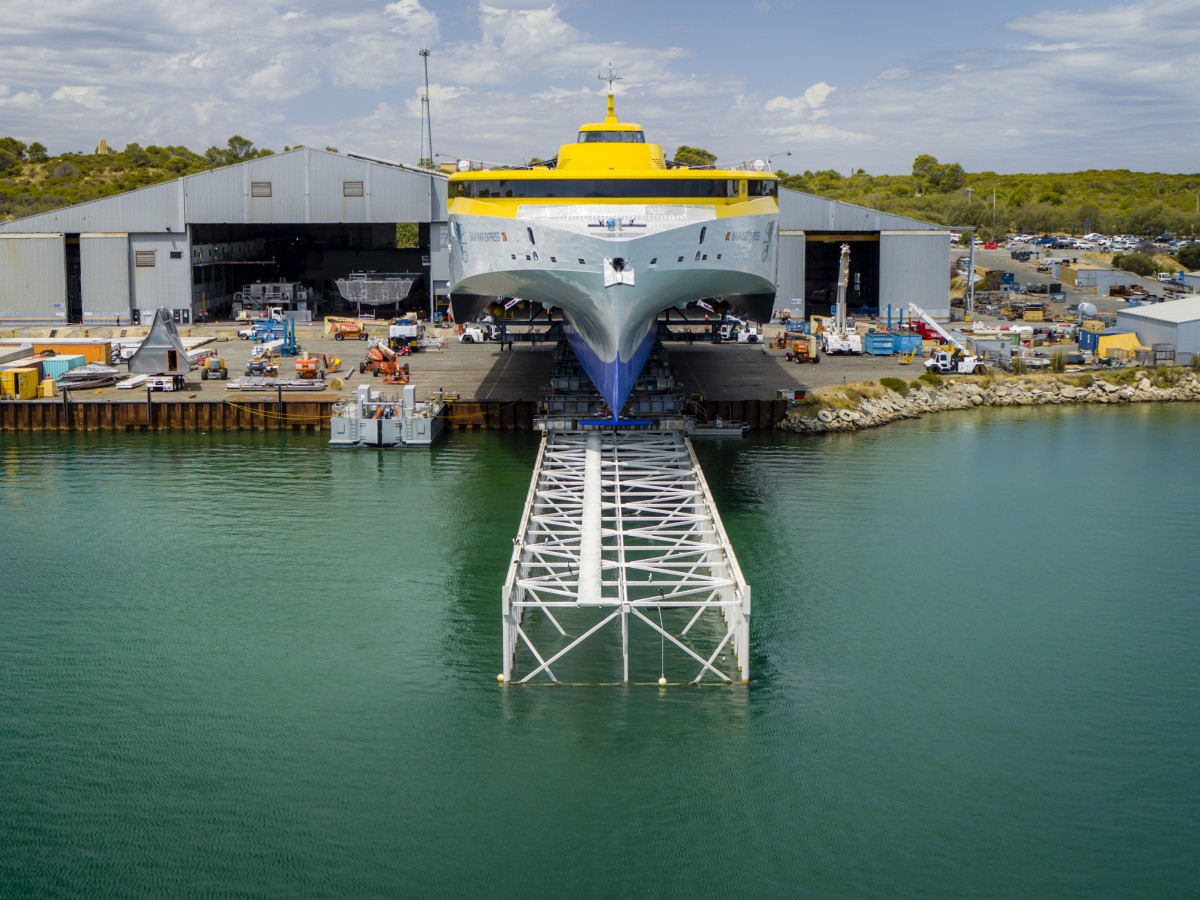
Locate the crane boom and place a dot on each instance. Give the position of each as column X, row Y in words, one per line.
column 932, row 323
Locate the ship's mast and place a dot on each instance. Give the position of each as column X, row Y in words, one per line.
column 612, row 78
column 427, row 126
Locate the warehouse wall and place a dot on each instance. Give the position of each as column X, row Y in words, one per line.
column 104, row 276
column 33, row 279
column 914, row 267
column 167, row 282
column 791, row 272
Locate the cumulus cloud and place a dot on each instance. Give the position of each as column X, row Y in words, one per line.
column 1111, row 86
column 19, row 100
column 810, row 102
column 88, row 96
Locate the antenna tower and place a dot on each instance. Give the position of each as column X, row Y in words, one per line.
column 612, row 77
column 426, row 125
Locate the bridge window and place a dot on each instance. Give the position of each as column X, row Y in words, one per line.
column 612, row 137
column 588, row 188
column 764, row 187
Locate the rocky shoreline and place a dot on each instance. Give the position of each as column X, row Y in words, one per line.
column 859, row 407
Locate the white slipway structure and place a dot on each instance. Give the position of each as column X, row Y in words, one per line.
column 621, row 549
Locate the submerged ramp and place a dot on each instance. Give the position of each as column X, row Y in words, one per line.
column 622, row 571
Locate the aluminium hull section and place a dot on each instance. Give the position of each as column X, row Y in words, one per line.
column 670, row 262
column 613, row 378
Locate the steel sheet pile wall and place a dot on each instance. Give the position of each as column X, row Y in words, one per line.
column 310, row 414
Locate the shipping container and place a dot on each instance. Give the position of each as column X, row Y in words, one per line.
column 20, row 384
column 29, row 362
column 55, row 366
column 92, row 351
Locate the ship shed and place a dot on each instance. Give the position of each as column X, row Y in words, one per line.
column 1175, row 323
column 193, row 244
column 894, row 260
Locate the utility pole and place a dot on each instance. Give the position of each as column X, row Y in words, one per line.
column 427, row 126
column 427, row 163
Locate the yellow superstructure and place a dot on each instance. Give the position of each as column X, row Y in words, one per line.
column 611, row 162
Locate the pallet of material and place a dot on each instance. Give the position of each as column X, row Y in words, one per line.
column 132, row 381
column 258, row 383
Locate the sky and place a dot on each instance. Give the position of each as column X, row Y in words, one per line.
column 1017, row 86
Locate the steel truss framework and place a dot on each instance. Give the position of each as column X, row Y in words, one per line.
column 620, row 533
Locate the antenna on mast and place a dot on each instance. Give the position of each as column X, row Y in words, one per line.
column 427, row 126
column 611, row 77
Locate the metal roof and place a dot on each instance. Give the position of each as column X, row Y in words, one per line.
column 799, row 211
column 1176, row 312
column 301, row 186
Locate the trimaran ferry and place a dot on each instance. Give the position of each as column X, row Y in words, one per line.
column 612, row 233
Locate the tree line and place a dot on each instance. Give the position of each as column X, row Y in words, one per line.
column 1111, row 201
column 1114, row 201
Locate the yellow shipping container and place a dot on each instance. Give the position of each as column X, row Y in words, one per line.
column 1034, row 315
column 20, row 384
column 49, row 388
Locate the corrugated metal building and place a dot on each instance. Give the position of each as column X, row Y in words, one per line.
column 310, row 216
column 190, row 244
column 1176, row 322
column 894, row 260
column 1097, row 279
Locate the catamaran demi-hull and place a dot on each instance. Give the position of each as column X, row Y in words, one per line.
column 611, row 270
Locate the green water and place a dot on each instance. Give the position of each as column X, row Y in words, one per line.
column 250, row 666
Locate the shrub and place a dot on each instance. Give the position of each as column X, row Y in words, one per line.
column 895, row 384
column 1137, row 263
column 1189, row 256
column 932, row 378
column 1168, row 376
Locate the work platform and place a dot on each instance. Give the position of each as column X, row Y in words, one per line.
column 621, row 570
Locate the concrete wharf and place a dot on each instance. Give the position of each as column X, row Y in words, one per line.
column 497, row 388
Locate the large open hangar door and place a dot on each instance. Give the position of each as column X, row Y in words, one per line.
column 227, row 258
column 822, row 256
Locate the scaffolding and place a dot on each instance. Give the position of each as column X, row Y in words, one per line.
column 621, row 552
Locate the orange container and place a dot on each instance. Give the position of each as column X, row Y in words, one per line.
column 92, row 351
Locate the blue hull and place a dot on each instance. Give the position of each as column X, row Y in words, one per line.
column 616, row 378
